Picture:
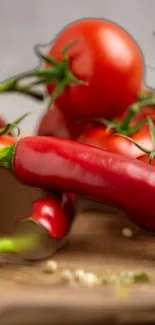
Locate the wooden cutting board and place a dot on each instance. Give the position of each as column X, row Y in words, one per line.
column 29, row 296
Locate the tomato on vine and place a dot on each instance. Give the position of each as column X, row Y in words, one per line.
column 100, row 73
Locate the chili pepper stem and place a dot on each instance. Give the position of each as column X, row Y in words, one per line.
column 6, row 156
column 18, row 244
column 26, row 238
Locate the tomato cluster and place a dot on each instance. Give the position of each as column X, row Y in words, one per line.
column 110, row 63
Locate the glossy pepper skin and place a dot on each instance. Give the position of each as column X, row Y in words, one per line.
column 53, row 215
column 77, row 168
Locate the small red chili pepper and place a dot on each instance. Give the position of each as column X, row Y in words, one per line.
column 67, row 166
column 53, row 215
column 42, row 233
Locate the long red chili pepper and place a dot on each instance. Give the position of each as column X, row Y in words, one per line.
column 77, row 168
column 45, row 230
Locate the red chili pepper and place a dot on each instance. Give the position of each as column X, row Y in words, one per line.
column 45, row 230
column 67, row 166
column 53, row 215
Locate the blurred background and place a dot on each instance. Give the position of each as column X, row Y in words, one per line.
column 24, row 23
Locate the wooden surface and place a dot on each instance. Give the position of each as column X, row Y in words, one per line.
column 29, row 296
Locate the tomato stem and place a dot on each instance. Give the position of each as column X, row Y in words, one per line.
column 151, row 156
column 18, row 244
column 29, row 92
column 135, row 109
column 151, row 153
column 117, row 126
column 57, row 73
column 128, row 119
column 12, row 85
column 143, row 95
column 9, row 127
column 133, row 141
column 152, row 130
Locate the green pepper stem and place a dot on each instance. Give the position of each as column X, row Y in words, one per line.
column 7, row 156
column 18, row 244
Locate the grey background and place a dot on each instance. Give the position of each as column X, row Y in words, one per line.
column 26, row 22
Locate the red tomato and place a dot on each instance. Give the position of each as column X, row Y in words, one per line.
column 6, row 140
column 98, row 136
column 2, row 122
column 145, row 159
column 144, row 113
column 147, row 110
column 54, row 123
column 108, row 59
